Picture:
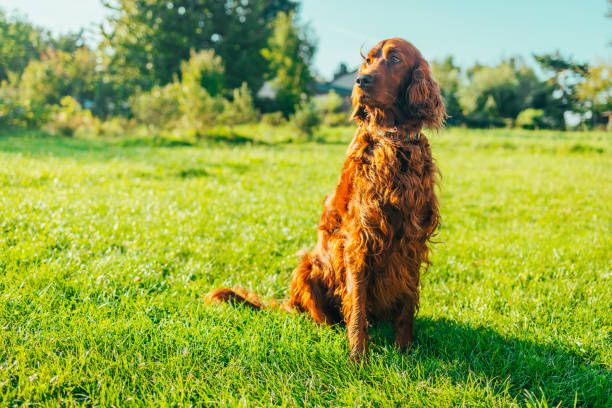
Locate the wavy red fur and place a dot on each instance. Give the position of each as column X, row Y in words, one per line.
column 375, row 227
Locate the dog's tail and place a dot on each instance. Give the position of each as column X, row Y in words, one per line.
column 241, row 296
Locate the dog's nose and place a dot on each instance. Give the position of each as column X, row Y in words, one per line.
column 363, row 80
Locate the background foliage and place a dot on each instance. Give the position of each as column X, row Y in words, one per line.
column 145, row 45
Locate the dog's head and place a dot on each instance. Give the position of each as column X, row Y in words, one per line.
column 395, row 79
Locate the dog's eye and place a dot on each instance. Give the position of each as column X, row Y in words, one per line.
column 394, row 59
column 368, row 60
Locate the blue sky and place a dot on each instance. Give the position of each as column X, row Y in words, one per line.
column 470, row 30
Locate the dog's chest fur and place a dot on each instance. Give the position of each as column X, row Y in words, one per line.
column 392, row 203
column 388, row 181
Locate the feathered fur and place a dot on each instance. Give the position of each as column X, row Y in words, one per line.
column 375, row 227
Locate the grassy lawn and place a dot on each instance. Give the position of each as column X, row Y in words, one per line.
column 106, row 248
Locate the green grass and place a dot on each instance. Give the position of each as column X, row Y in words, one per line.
column 107, row 246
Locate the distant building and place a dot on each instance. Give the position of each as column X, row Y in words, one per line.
column 267, row 91
column 342, row 84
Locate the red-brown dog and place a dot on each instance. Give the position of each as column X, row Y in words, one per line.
column 376, row 225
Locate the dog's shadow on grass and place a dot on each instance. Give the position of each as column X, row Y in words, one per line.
column 463, row 352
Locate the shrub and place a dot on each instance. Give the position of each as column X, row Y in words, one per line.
column 178, row 107
column 16, row 112
column 158, row 108
column 330, row 103
column 530, row 118
column 113, row 127
column 199, row 110
column 329, row 108
column 67, row 118
column 306, row 119
column 241, row 108
column 58, row 74
column 274, row 118
column 204, row 69
column 11, row 113
column 289, row 53
column 336, row 119
column 195, row 103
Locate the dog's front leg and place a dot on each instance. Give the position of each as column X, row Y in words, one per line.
column 354, row 306
column 404, row 323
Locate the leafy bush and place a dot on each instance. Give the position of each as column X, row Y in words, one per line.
column 15, row 112
column 330, row 109
column 21, row 42
column 336, row 119
column 67, row 118
column 205, row 69
column 530, row 118
column 241, row 108
column 199, row 110
column 159, row 108
column 113, row 127
column 273, row 118
column 199, row 101
column 195, row 103
column 332, row 102
column 306, row 119
column 494, row 96
column 289, row 53
column 59, row 74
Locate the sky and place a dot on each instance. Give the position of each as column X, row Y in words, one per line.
column 484, row 31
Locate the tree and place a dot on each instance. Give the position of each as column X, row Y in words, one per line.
column 447, row 74
column 20, row 43
column 530, row 118
column 596, row 91
column 69, row 42
column 489, row 96
column 204, row 69
column 558, row 94
column 289, row 54
column 341, row 70
column 542, row 97
column 148, row 39
column 60, row 74
column 494, row 96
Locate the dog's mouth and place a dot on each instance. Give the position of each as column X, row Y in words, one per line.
column 366, row 98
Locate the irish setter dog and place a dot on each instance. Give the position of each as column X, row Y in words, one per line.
column 375, row 228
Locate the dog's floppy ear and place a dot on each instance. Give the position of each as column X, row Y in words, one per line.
column 422, row 100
